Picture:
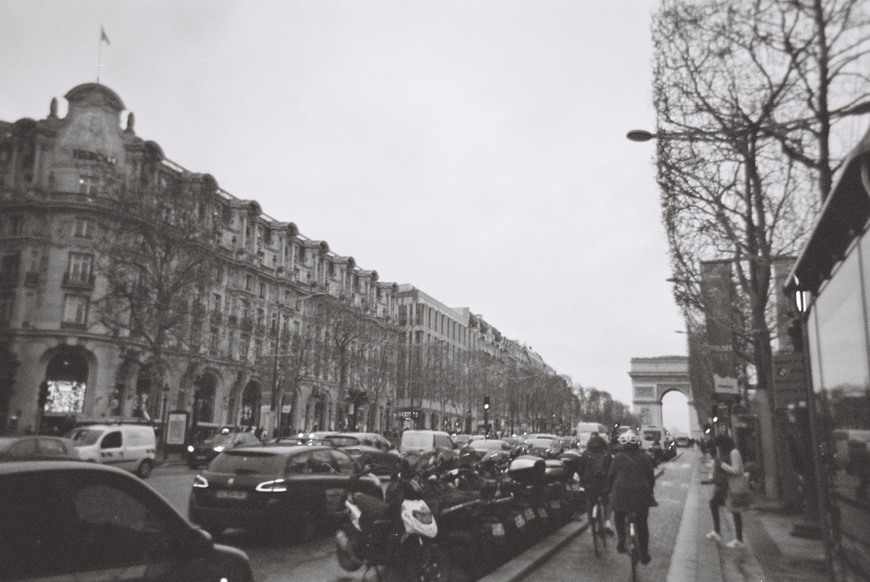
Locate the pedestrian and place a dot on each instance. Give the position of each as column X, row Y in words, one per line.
column 726, row 451
column 594, row 465
column 630, row 481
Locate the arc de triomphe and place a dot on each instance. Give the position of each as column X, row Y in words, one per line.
column 651, row 379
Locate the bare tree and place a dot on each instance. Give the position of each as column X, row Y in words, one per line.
column 374, row 365
column 345, row 329
column 157, row 263
column 736, row 85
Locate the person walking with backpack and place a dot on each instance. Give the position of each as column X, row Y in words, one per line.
column 594, row 464
column 631, row 480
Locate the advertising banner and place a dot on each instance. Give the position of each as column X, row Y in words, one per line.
column 176, row 428
column 716, row 289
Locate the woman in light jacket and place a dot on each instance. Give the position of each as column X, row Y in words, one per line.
column 726, row 451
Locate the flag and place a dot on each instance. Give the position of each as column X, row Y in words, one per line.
column 103, row 36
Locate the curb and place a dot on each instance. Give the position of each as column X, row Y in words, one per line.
column 519, row 567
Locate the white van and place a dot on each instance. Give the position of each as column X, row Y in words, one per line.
column 651, row 433
column 586, row 430
column 425, row 441
column 129, row 446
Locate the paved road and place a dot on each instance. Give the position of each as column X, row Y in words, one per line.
column 576, row 562
column 272, row 561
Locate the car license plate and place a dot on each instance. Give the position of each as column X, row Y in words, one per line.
column 231, row 494
column 519, row 520
column 530, row 514
column 498, row 530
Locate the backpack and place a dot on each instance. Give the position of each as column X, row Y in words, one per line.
column 597, row 466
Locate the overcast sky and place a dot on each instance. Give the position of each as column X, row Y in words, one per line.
column 475, row 149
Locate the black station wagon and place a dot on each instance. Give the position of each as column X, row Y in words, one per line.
column 297, row 490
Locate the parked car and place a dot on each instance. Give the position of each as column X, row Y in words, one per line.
column 202, row 453
column 368, row 448
column 127, row 446
column 36, row 447
column 295, row 490
column 65, row 520
column 461, row 440
column 487, row 449
column 305, row 438
column 545, row 447
column 681, row 440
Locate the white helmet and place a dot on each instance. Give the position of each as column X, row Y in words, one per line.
column 628, row 438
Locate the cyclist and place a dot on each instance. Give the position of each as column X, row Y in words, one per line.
column 630, row 481
column 592, row 470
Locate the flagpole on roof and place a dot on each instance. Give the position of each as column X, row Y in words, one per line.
column 103, row 38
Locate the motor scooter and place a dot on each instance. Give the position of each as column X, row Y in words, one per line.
column 395, row 535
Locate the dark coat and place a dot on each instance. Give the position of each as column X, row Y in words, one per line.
column 630, row 481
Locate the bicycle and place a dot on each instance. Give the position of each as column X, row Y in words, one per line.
column 632, row 545
column 596, row 525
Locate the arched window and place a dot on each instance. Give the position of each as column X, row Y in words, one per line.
column 146, row 403
column 203, row 398
column 250, row 413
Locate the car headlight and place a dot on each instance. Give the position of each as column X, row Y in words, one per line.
column 219, row 448
column 200, row 482
column 276, row 486
column 189, row 448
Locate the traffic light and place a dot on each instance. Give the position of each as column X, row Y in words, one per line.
column 486, row 402
column 42, row 398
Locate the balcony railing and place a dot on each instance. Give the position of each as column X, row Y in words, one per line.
column 78, row 282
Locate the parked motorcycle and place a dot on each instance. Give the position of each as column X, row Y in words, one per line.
column 394, row 535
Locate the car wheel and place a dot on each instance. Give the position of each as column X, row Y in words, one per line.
column 144, row 469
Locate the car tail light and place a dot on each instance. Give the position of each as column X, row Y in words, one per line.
column 276, row 486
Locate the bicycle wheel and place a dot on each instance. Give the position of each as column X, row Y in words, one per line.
column 633, row 550
column 597, row 534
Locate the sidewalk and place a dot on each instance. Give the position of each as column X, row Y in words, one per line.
column 772, row 553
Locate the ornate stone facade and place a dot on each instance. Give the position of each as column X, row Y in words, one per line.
column 55, row 177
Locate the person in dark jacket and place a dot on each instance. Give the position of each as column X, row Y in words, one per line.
column 592, row 470
column 630, row 481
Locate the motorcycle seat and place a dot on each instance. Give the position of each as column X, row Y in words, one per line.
column 371, row 507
